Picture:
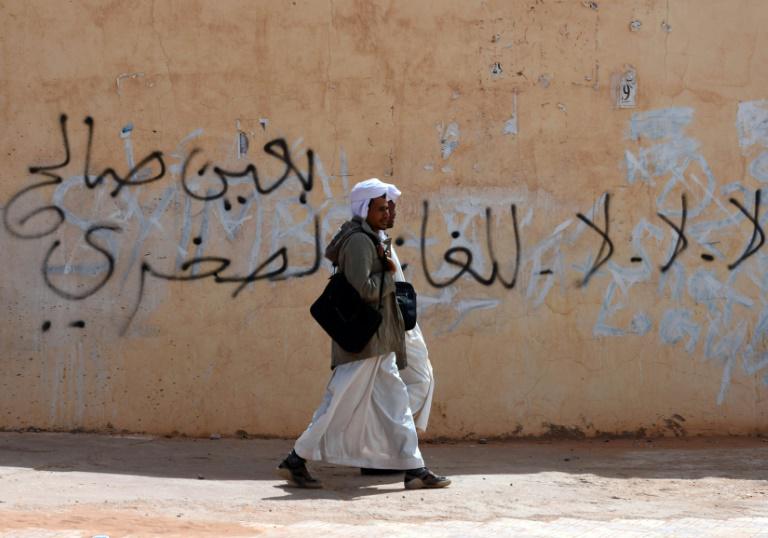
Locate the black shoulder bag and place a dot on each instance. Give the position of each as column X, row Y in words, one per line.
column 342, row 313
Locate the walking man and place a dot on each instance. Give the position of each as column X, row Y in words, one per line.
column 365, row 419
column 417, row 375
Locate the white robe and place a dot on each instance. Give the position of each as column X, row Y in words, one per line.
column 418, row 376
column 364, row 419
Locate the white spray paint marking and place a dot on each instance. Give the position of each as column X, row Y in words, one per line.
column 752, row 124
column 752, row 128
column 641, row 324
column 466, row 306
column 665, row 156
column 677, row 324
column 660, row 124
column 673, row 157
column 546, row 255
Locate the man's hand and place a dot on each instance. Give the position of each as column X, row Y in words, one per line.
column 386, row 260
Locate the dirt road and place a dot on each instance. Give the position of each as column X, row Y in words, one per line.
column 62, row 485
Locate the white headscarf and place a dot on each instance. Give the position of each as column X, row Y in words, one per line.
column 362, row 193
column 393, row 193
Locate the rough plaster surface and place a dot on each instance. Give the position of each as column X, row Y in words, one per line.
column 470, row 108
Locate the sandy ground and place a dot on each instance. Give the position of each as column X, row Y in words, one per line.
column 62, row 485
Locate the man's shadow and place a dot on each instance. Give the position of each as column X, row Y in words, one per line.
column 342, row 484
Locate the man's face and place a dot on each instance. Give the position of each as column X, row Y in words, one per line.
column 378, row 214
column 392, row 214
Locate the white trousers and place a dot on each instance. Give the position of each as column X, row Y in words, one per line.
column 418, row 377
column 364, row 419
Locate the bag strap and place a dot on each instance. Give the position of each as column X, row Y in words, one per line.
column 376, row 243
column 381, row 259
column 381, row 285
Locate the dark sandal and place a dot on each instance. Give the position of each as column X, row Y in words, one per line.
column 294, row 470
column 424, row 478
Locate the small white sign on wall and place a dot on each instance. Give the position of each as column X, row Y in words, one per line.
column 626, row 90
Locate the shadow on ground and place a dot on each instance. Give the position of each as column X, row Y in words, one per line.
column 255, row 459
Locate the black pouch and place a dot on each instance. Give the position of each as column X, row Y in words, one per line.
column 406, row 301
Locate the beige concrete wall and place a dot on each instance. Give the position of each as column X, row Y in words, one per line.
column 469, row 107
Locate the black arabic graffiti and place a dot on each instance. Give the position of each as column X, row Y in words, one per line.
column 465, row 265
column 756, row 230
column 152, row 168
column 600, row 259
column 107, row 254
column 682, row 242
column 55, row 180
column 283, row 155
column 277, row 148
column 259, row 273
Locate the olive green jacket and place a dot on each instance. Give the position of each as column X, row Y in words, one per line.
column 353, row 251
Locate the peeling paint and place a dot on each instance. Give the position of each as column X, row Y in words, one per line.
column 123, row 76
column 449, row 139
column 510, row 126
